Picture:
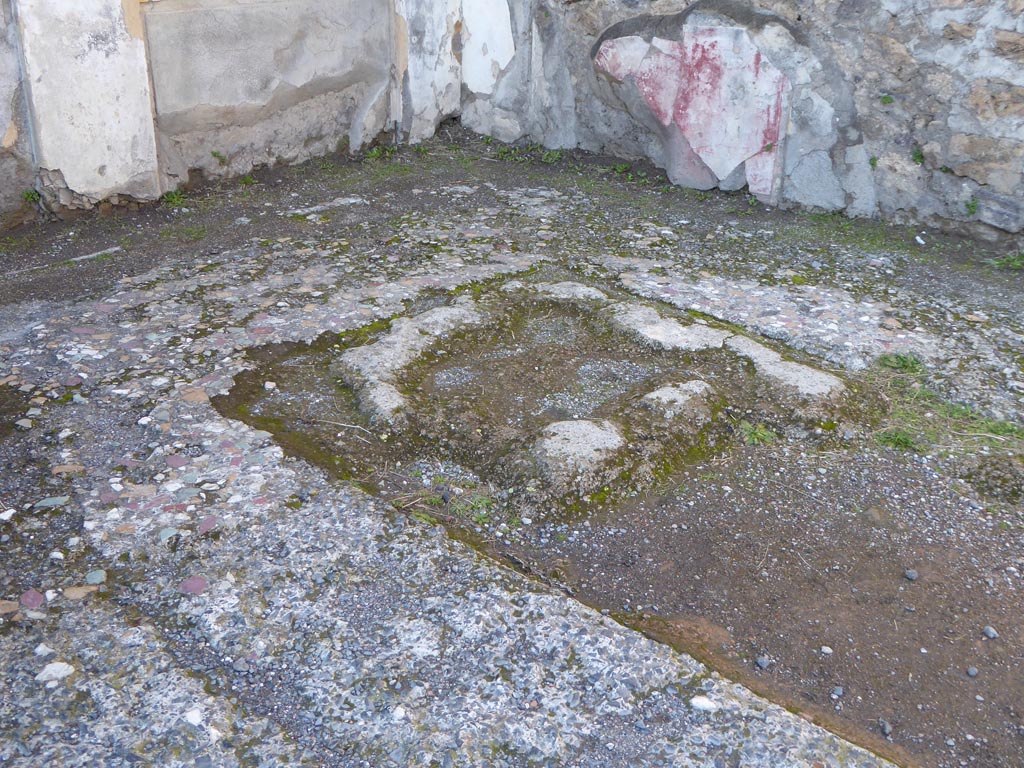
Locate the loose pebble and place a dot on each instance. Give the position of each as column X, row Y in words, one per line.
column 194, row 585
column 54, row 671
column 703, row 704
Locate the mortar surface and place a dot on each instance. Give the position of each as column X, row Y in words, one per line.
column 181, row 587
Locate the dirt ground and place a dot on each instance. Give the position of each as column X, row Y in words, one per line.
column 842, row 576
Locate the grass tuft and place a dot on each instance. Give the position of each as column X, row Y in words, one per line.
column 903, row 362
column 756, row 434
column 175, row 198
column 900, row 439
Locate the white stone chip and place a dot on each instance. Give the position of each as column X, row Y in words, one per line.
column 55, row 670
column 194, row 716
column 703, row 704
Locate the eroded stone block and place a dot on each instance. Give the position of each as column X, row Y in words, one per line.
column 686, row 403
column 574, row 453
column 650, row 326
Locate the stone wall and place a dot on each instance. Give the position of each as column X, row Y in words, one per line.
column 905, row 109
column 16, row 170
column 941, row 101
column 908, row 109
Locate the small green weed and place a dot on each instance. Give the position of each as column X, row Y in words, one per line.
column 900, row 439
column 621, row 167
column 31, row 196
column 700, row 195
column 423, row 517
column 1014, row 261
column 174, row 198
column 512, row 154
column 887, row 99
column 921, row 419
column 219, row 157
column 918, row 156
column 247, row 181
column 384, row 171
column 474, row 504
column 10, row 245
column 756, row 434
column 551, row 157
column 903, row 362
column 381, row 152
column 873, row 162
column 488, row 140
column 971, row 206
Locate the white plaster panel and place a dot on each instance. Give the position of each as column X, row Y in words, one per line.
column 488, row 46
column 259, row 55
column 85, row 64
column 431, row 81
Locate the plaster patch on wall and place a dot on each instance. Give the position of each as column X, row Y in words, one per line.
column 726, row 99
column 100, row 132
column 487, row 43
column 432, row 81
column 243, row 84
column 10, row 137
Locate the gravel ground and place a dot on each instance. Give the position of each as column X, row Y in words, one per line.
column 176, row 589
